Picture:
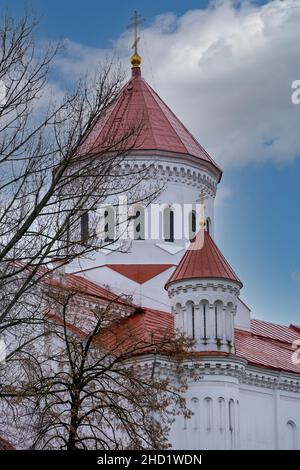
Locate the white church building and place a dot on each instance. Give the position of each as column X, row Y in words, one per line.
column 249, row 393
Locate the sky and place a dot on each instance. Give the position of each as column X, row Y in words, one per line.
column 226, row 68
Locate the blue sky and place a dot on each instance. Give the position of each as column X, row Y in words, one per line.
column 98, row 22
column 258, row 225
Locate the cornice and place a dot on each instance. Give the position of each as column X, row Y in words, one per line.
column 173, row 170
column 226, row 365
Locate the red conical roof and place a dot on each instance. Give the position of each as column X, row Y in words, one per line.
column 161, row 129
column 203, row 260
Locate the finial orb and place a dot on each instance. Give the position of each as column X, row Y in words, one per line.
column 136, row 61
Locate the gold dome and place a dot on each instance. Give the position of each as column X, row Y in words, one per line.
column 136, row 61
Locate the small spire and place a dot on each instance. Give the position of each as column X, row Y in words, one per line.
column 202, row 222
column 135, row 22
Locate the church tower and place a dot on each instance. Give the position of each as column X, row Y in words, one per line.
column 204, row 291
column 180, row 165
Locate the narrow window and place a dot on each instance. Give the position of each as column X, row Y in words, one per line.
column 208, row 402
column 231, row 415
column 192, row 225
column 228, row 322
column 195, row 411
column 193, row 321
column 109, row 225
column 216, row 322
column 139, row 224
column 221, row 413
column 169, row 225
column 84, row 227
column 204, row 322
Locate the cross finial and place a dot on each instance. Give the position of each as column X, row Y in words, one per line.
column 135, row 21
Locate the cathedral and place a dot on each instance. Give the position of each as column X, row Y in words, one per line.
column 249, row 393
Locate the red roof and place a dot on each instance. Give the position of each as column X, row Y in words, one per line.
column 268, row 345
column 286, row 334
column 138, row 333
column 139, row 273
column 161, row 130
column 203, row 259
column 84, row 286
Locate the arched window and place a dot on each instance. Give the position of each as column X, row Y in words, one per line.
column 192, row 225
column 179, row 320
column 209, row 417
column 221, row 402
column 139, row 223
column 193, row 321
column 109, row 224
column 204, row 326
column 195, row 411
column 178, row 308
column 190, row 309
column 84, row 226
column 168, row 217
column 291, row 435
column 229, row 322
column 208, row 225
column 218, row 320
column 231, row 415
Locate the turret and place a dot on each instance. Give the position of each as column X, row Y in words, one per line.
column 203, row 291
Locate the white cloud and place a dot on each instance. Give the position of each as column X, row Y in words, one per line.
column 79, row 60
column 226, row 72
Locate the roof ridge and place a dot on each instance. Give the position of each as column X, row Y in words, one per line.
column 270, row 322
column 227, row 265
column 164, row 132
column 160, row 101
column 150, row 127
column 204, row 262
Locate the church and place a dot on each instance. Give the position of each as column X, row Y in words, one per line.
column 170, row 267
column 249, row 393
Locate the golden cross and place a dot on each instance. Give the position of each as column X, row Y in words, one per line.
column 135, row 22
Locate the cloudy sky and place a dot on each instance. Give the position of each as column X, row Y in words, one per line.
column 226, row 68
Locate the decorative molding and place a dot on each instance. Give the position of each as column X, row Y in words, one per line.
column 229, row 366
column 203, row 286
column 271, row 379
column 175, row 172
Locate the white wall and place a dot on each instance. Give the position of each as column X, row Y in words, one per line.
column 183, row 181
column 265, row 417
column 243, row 316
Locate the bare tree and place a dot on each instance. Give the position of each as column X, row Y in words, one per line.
column 50, row 177
column 49, row 174
column 106, row 382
